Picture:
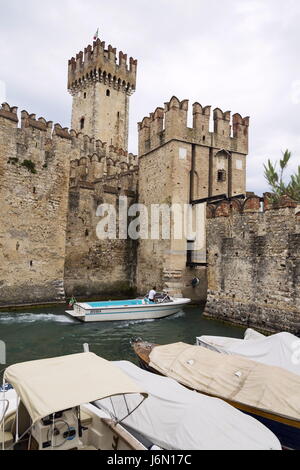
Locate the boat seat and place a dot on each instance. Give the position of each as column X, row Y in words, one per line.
column 8, row 439
column 86, row 419
column 9, row 422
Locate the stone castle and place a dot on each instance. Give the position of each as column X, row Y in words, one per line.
column 53, row 179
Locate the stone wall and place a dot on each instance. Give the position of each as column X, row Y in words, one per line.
column 100, row 174
column 34, row 180
column 52, row 181
column 95, row 267
column 254, row 264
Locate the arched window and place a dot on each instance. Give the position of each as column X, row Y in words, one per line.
column 107, row 92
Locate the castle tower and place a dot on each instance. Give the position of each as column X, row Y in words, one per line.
column 101, row 86
column 186, row 165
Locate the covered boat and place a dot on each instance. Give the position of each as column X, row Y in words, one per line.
column 270, row 394
column 280, row 350
column 175, row 418
column 138, row 309
column 53, row 411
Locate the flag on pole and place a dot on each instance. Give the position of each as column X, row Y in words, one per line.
column 96, row 35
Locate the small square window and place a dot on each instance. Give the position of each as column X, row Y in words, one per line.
column 221, row 176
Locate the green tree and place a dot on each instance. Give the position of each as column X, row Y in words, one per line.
column 276, row 180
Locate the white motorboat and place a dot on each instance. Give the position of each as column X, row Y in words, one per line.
column 49, row 407
column 138, row 309
column 171, row 418
column 280, row 350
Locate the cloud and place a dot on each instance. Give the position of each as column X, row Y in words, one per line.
column 234, row 55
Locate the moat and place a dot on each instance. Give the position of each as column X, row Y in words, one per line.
column 46, row 332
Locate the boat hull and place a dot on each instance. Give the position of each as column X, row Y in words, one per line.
column 286, row 429
column 133, row 312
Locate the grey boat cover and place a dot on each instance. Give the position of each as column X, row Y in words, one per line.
column 280, row 350
column 175, row 418
column 230, row 377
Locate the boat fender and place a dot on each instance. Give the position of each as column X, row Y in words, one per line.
column 195, row 282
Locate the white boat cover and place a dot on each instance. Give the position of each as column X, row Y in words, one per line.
column 278, row 350
column 52, row 385
column 175, row 418
column 230, row 377
column 252, row 334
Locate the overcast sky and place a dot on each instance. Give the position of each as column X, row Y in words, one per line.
column 241, row 56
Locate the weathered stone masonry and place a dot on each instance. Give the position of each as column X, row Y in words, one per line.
column 34, row 177
column 254, row 264
column 97, row 267
column 51, row 182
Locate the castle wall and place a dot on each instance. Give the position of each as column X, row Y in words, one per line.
column 254, row 264
column 155, row 183
column 95, row 267
column 34, row 177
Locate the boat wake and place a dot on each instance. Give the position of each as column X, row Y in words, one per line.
column 135, row 322
column 129, row 323
column 177, row 315
column 34, row 318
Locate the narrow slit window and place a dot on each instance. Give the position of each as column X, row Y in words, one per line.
column 82, row 123
column 107, row 92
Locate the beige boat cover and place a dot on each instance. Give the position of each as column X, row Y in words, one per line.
column 52, row 385
column 230, row 377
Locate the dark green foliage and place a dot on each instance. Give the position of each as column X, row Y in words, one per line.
column 275, row 180
column 30, row 165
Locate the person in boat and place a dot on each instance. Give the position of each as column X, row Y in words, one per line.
column 72, row 302
column 152, row 294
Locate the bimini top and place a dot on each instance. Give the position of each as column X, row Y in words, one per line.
column 52, row 385
column 233, row 378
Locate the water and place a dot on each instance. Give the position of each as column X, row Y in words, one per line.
column 48, row 332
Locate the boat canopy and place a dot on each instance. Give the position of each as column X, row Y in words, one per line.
column 175, row 418
column 276, row 350
column 230, row 377
column 52, row 385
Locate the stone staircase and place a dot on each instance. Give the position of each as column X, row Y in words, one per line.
column 173, row 283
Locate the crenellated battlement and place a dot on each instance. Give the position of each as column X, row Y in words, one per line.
column 252, row 204
column 171, row 123
column 29, row 124
column 39, row 140
column 95, row 160
column 97, row 63
column 8, row 112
